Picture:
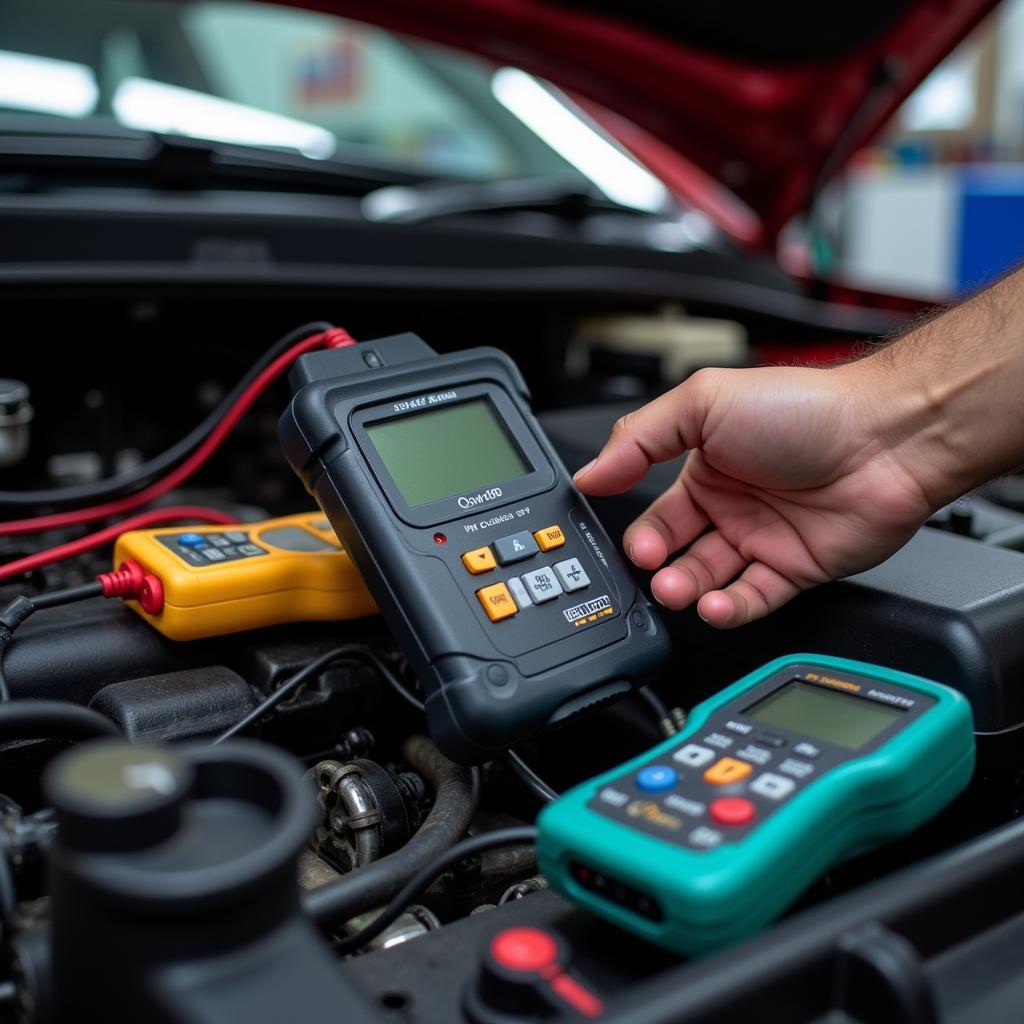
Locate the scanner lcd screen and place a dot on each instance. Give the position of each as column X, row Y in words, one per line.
column 454, row 450
column 830, row 715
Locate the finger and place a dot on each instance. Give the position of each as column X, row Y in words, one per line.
column 671, row 522
column 757, row 592
column 661, row 430
column 710, row 563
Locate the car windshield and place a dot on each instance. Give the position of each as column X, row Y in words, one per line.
column 262, row 75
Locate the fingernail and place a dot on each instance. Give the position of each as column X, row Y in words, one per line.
column 631, row 551
column 586, row 469
column 700, row 616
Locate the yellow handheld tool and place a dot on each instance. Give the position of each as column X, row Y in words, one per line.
column 226, row 579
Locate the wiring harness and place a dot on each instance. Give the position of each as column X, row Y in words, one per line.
column 145, row 484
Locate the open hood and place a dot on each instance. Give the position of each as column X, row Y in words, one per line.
column 770, row 99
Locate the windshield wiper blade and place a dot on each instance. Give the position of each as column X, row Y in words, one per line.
column 570, row 197
column 174, row 161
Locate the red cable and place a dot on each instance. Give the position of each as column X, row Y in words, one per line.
column 154, row 517
column 335, row 338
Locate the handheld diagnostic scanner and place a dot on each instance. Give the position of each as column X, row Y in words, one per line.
column 488, row 565
column 227, row 579
column 799, row 765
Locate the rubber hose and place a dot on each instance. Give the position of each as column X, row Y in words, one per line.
column 52, row 720
column 456, row 795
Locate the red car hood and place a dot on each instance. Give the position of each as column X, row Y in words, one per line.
column 768, row 98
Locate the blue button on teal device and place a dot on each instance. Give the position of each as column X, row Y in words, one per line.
column 655, row 778
column 714, row 833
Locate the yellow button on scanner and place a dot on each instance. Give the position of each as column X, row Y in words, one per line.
column 727, row 770
column 497, row 602
column 550, row 537
column 480, row 560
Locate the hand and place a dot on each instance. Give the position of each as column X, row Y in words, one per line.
column 794, row 476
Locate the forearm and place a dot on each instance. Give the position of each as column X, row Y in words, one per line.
column 948, row 397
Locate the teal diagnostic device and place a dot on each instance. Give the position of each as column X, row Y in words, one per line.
column 801, row 764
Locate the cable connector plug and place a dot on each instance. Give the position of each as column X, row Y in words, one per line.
column 131, row 582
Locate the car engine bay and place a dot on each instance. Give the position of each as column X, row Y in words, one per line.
column 103, row 928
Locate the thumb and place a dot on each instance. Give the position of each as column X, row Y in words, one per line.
column 657, row 432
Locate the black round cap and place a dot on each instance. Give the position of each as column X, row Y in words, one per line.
column 115, row 796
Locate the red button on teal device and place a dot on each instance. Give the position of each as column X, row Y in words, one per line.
column 732, row 810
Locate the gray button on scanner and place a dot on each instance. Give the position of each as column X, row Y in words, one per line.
column 572, row 575
column 515, row 548
column 519, row 592
column 542, row 584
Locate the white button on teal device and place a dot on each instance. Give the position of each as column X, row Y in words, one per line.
column 693, row 755
column 755, row 754
column 773, row 786
column 798, row 769
column 705, row 838
column 691, row 808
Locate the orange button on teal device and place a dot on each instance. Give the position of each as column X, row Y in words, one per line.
column 727, row 770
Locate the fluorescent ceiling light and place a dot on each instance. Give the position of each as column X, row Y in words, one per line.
column 46, row 86
column 945, row 100
column 617, row 175
column 157, row 107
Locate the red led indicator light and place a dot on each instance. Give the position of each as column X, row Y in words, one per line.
column 440, row 538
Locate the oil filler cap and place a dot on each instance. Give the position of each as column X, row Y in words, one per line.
column 115, row 796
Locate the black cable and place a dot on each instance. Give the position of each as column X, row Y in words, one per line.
column 358, row 652
column 655, row 703
column 159, row 465
column 290, row 685
column 529, row 778
column 68, row 595
column 355, row 652
column 8, row 898
column 21, row 608
column 518, row 836
column 52, row 720
column 392, row 679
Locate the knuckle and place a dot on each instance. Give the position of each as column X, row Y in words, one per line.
column 705, row 570
column 705, row 379
column 625, row 424
column 698, row 585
